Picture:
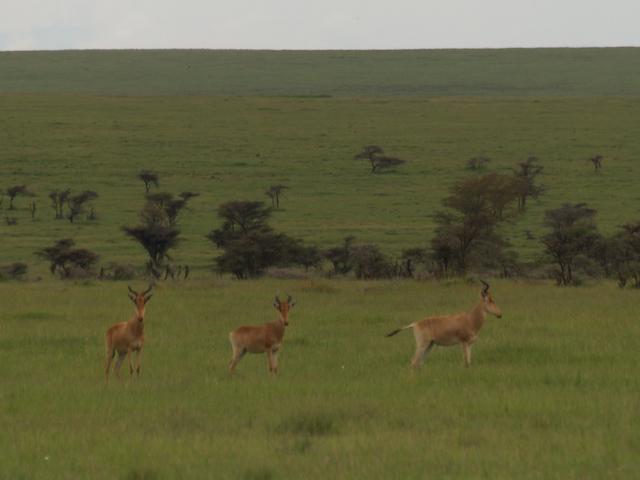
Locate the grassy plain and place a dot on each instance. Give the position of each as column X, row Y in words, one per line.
column 553, row 388
column 230, row 148
column 497, row 72
column 552, row 391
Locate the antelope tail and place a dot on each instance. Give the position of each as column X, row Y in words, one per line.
column 398, row 330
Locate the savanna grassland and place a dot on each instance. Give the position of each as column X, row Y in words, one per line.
column 553, row 389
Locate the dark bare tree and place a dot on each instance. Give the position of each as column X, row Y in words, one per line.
column 375, row 155
column 58, row 200
column 274, row 193
column 15, row 191
column 149, row 178
column 526, row 173
column 597, row 162
column 186, row 196
column 478, row 163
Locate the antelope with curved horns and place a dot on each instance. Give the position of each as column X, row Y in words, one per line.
column 262, row 338
column 450, row 330
column 124, row 338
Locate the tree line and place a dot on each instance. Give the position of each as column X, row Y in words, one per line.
column 467, row 237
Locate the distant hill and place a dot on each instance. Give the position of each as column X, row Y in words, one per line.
column 511, row 72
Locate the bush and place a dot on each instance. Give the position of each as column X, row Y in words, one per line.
column 13, row 271
column 117, row 271
column 370, row 263
column 67, row 261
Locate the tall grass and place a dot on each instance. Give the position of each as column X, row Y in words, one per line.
column 552, row 390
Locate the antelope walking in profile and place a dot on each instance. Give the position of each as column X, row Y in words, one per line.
column 452, row 329
column 124, row 338
column 262, row 338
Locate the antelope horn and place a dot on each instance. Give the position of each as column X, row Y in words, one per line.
column 289, row 298
column 485, row 290
column 277, row 299
column 148, row 289
column 132, row 290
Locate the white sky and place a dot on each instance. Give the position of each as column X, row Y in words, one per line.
column 316, row 24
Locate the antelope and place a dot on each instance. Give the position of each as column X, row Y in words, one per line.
column 262, row 338
column 450, row 330
column 124, row 338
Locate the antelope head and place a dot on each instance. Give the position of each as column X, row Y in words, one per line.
column 283, row 307
column 487, row 301
column 140, row 300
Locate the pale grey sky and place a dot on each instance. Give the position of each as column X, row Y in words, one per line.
column 320, row 24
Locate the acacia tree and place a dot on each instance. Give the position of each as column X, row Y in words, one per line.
column 375, row 155
column 526, row 173
column 17, row 190
column 274, row 193
column 149, row 178
column 475, row 207
column 571, row 240
column 340, row 256
column 66, row 260
column 170, row 205
column 250, row 245
column 619, row 254
column 156, row 234
column 58, row 200
column 77, row 203
column 478, row 162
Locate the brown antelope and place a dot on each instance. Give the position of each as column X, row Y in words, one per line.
column 124, row 338
column 262, row 338
column 452, row 329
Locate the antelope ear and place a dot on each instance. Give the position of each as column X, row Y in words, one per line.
column 292, row 304
column 275, row 305
column 147, row 298
column 132, row 298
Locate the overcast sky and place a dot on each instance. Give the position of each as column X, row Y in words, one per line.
column 319, row 24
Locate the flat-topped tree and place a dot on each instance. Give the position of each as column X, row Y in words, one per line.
column 149, row 178
column 157, row 240
column 378, row 161
column 77, row 203
column 186, row 196
column 65, row 260
column 15, row 191
column 170, row 205
column 274, row 193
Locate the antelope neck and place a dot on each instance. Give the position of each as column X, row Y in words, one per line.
column 478, row 315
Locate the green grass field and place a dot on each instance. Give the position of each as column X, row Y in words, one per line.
column 234, row 148
column 552, row 391
column 511, row 72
